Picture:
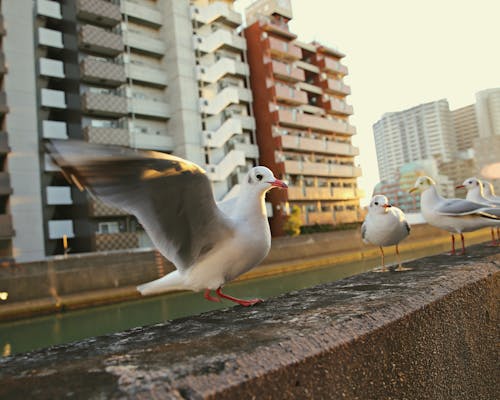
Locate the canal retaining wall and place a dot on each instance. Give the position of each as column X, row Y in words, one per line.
column 427, row 333
column 81, row 280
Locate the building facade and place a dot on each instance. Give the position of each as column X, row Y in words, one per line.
column 302, row 119
column 164, row 75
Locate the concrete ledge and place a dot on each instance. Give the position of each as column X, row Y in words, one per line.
column 428, row 333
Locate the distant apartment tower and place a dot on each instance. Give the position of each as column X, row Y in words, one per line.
column 165, row 75
column 487, row 145
column 302, row 119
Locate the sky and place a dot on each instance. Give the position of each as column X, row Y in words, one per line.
column 401, row 53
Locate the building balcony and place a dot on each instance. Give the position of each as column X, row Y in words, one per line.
column 222, row 67
column 219, row 39
column 3, row 65
column 149, row 108
column 289, row 95
column 51, row 68
column 50, row 38
column 47, row 8
column 53, row 98
column 284, row 50
column 3, row 103
column 6, row 227
column 54, row 129
column 148, row 75
column 141, row 13
column 222, row 170
column 346, row 217
column 4, row 143
column 5, row 187
column 332, row 66
column 250, row 150
column 58, row 195
column 279, row 28
column 336, row 106
column 99, row 209
column 320, row 217
column 2, row 27
column 144, row 44
column 100, row 41
column 60, row 228
column 102, row 72
column 335, row 86
column 227, row 96
column 100, row 12
column 101, row 135
column 306, row 121
column 115, row 241
column 151, row 141
column 321, row 169
column 104, row 104
column 318, row 145
column 216, row 12
column 323, row 193
column 287, row 71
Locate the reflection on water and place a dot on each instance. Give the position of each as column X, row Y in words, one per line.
column 34, row 333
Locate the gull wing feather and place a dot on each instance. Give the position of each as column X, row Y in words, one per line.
column 172, row 198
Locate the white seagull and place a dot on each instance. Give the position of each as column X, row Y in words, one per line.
column 489, row 192
column 172, row 198
column 385, row 225
column 453, row 215
column 475, row 192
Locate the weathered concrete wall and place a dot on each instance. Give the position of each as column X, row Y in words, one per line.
column 428, row 333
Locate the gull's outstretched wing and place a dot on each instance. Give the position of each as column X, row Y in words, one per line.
column 459, row 207
column 172, row 198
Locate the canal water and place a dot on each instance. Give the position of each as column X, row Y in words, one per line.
column 34, row 333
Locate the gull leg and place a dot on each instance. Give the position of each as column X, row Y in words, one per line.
column 463, row 244
column 400, row 266
column 452, row 252
column 242, row 302
column 209, row 297
column 494, row 242
column 383, row 268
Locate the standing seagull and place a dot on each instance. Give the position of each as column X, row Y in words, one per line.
column 172, row 198
column 453, row 215
column 489, row 192
column 475, row 192
column 385, row 225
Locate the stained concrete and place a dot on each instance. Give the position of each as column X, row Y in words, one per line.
column 428, row 333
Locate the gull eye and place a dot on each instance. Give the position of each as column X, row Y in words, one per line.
column 376, row 203
column 259, row 177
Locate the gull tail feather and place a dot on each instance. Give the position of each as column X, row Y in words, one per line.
column 168, row 283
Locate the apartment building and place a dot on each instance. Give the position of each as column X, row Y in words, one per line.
column 302, row 119
column 164, row 75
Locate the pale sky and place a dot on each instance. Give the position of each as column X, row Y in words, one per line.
column 401, row 53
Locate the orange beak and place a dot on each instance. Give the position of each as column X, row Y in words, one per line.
column 387, row 206
column 459, row 187
column 279, row 184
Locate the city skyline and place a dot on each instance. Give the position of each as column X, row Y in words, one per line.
column 386, row 48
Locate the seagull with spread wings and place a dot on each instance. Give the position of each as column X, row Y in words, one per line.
column 210, row 244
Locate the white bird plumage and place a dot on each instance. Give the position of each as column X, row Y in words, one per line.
column 385, row 225
column 172, row 198
column 453, row 215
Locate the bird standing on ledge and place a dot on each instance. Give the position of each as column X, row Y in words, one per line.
column 210, row 244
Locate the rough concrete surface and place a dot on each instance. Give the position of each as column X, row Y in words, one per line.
column 428, row 333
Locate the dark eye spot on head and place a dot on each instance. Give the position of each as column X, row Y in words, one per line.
column 259, row 177
column 376, row 203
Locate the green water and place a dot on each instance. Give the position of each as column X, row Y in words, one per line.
column 34, row 333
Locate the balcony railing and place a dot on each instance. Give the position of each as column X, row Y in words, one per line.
column 4, row 143
column 321, row 169
column 100, row 71
column 115, row 241
column 278, row 27
column 284, row 50
column 287, row 71
column 322, row 193
column 146, row 15
column 290, row 95
column 6, row 227
column 335, row 86
column 217, row 11
column 334, row 66
column 5, row 188
column 104, row 104
column 301, row 120
column 107, row 135
column 318, row 145
column 100, row 40
column 100, row 12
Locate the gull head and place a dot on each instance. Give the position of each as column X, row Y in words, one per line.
column 471, row 184
column 262, row 179
column 422, row 184
column 379, row 204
